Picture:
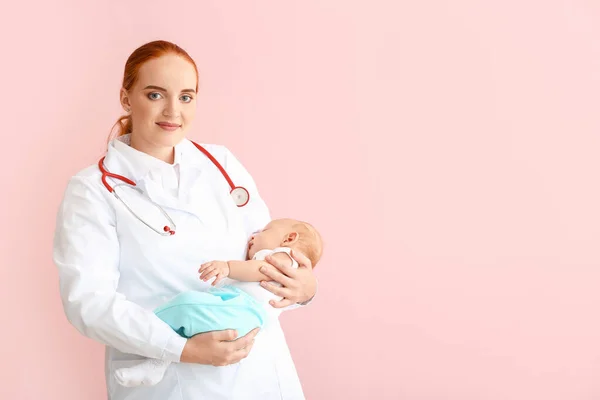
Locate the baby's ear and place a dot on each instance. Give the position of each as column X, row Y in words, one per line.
column 290, row 238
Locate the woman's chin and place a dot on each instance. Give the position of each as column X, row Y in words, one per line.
column 169, row 138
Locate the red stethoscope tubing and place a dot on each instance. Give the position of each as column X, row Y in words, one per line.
column 217, row 164
column 107, row 174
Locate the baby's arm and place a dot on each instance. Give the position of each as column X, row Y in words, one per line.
column 248, row 271
column 244, row 271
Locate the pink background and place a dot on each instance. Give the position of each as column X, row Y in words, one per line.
column 447, row 150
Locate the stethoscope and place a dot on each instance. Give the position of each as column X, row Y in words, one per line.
column 240, row 195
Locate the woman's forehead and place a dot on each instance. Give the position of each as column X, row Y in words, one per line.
column 170, row 72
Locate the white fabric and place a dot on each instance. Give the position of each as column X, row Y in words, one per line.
column 164, row 174
column 114, row 271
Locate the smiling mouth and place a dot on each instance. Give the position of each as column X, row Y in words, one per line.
column 168, row 124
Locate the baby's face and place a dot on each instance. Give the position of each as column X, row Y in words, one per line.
column 270, row 236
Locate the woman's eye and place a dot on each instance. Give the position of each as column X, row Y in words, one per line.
column 152, row 94
column 184, row 97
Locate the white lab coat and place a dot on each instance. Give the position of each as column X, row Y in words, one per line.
column 114, row 271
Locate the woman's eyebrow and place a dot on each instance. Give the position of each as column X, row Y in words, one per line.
column 164, row 90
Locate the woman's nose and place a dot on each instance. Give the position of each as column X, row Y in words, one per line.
column 171, row 109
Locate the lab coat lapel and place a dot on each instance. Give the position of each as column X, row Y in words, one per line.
column 194, row 179
column 206, row 195
column 188, row 192
column 191, row 172
column 188, row 200
column 157, row 194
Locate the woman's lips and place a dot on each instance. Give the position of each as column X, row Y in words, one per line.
column 168, row 126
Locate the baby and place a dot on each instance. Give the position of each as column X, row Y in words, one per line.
column 247, row 303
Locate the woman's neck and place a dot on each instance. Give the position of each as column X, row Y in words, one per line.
column 166, row 154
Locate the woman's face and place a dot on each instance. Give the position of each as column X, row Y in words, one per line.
column 162, row 102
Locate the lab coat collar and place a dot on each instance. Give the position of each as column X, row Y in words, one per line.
column 124, row 160
column 138, row 163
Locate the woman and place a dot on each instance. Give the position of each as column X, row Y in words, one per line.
column 116, row 264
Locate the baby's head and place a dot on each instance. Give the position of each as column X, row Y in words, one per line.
column 285, row 232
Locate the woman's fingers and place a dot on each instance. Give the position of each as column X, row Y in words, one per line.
column 226, row 335
column 239, row 354
column 281, row 303
column 278, row 276
column 301, row 259
column 277, row 290
column 281, row 266
column 296, row 283
column 240, row 348
column 246, row 340
column 218, row 348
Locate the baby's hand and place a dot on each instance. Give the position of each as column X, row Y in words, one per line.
column 220, row 269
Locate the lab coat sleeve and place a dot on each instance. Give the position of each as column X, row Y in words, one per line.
column 86, row 252
column 256, row 212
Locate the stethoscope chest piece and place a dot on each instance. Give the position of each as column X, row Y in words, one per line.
column 240, row 196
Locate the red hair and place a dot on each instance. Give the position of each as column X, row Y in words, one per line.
column 146, row 52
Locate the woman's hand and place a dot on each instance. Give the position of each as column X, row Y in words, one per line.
column 217, row 348
column 297, row 285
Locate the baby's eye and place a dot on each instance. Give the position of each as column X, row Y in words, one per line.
column 154, row 98
column 188, row 97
